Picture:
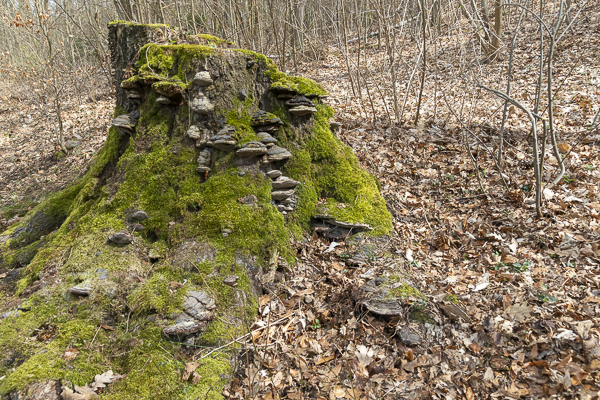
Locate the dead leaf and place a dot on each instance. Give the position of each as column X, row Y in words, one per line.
column 409, row 255
column 303, row 342
column 364, row 354
column 101, row 380
column 540, row 363
column 70, row 354
column 475, row 347
column 489, row 374
column 80, row 393
column 563, row 148
column 264, row 300
column 337, row 266
column 107, row 328
column 195, row 378
column 189, row 368
column 582, row 328
column 268, row 396
column 322, row 360
column 469, row 393
column 337, row 392
column 578, row 377
column 593, row 365
column 520, row 312
column 175, row 285
column 506, row 301
column 508, row 259
column 454, row 313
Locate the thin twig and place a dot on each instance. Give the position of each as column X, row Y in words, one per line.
column 92, row 342
column 242, row 337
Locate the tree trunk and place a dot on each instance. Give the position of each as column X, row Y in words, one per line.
column 163, row 247
column 497, row 29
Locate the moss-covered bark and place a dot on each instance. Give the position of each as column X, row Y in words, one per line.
column 200, row 226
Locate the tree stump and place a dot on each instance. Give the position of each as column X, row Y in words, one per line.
column 204, row 182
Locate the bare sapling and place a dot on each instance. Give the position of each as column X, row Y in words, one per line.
column 534, row 116
column 536, row 156
column 508, row 81
column 424, row 67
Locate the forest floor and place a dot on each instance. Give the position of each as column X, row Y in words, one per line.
column 30, row 163
column 512, row 301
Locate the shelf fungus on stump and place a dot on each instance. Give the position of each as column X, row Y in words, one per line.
column 277, row 153
column 281, row 194
column 127, row 122
column 274, row 173
column 334, row 229
column 163, row 100
column 266, row 138
column 200, row 103
column 381, row 297
column 283, row 182
column 140, row 215
column 251, row 149
column 224, row 142
column 204, row 160
column 196, row 315
column 122, row 237
column 203, row 79
column 263, row 121
column 134, row 95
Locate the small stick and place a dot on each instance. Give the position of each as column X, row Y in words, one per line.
column 242, row 337
column 92, row 342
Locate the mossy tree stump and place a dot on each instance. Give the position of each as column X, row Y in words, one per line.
column 204, row 181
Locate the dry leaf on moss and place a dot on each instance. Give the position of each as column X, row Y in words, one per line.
column 70, row 354
column 189, row 368
column 80, row 393
column 100, row 381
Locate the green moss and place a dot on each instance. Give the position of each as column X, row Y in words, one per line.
column 24, row 255
column 18, row 209
column 329, row 169
column 171, row 63
column 283, row 81
column 212, row 39
column 405, row 291
column 154, row 373
column 240, row 117
column 135, row 80
column 169, row 87
column 24, row 339
column 258, row 229
column 451, row 298
column 257, row 57
column 130, row 23
column 296, row 84
column 154, row 295
column 422, row 317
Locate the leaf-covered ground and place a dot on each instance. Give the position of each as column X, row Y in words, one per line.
column 512, row 302
column 515, row 299
column 31, row 165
